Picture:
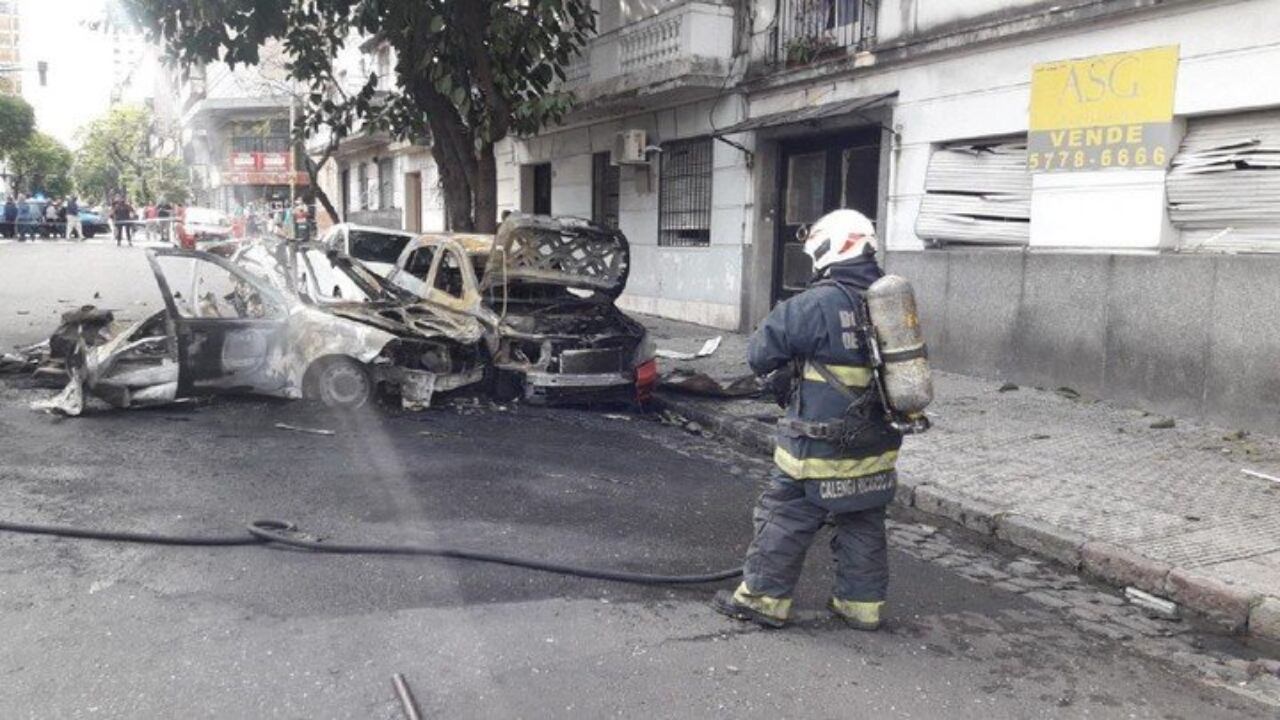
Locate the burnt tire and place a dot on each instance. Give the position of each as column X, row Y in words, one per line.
column 340, row 383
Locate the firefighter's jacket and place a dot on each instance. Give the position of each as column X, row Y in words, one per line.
column 819, row 324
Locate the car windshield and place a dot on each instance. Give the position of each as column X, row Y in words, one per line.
column 372, row 246
column 328, row 277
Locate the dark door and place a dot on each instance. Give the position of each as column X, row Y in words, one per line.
column 542, row 189
column 346, row 192
column 229, row 327
column 817, row 175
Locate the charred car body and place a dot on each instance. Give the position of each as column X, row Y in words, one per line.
column 545, row 290
column 531, row 310
column 248, row 326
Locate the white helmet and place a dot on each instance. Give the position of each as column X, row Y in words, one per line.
column 838, row 236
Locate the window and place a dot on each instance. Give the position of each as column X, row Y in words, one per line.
column 377, row 247
column 362, row 185
column 684, row 197
column 977, row 193
column 604, row 190
column 1224, row 186
column 386, row 183
column 204, row 290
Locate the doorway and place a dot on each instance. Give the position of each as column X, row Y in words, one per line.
column 413, row 202
column 816, row 175
column 542, row 189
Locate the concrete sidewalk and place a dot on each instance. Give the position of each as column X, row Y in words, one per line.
column 1131, row 498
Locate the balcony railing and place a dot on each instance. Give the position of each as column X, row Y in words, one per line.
column 692, row 32
column 808, row 30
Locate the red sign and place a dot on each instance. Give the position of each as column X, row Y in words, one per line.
column 273, row 161
column 244, row 161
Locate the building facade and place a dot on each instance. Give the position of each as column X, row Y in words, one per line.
column 1140, row 281
column 10, row 54
column 372, row 178
column 235, row 133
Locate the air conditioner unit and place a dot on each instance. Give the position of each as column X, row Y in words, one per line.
column 629, row 148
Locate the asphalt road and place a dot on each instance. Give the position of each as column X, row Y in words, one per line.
column 102, row 630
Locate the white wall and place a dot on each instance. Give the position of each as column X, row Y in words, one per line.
column 986, row 91
column 701, row 285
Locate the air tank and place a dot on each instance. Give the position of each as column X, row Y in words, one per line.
column 891, row 304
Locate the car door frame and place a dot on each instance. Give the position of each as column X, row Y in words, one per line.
column 198, row 375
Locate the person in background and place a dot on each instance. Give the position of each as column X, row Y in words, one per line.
column 26, row 220
column 73, row 218
column 149, row 215
column 10, row 217
column 53, row 217
column 122, row 212
column 164, row 218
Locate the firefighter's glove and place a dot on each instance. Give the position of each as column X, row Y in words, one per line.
column 779, row 385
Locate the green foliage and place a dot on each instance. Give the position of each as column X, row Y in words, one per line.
column 17, row 123
column 42, row 164
column 468, row 72
column 115, row 156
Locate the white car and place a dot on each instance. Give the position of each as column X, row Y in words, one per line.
column 199, row 225
column 378, row 248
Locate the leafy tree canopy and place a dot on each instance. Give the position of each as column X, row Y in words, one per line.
column 17, row 123
column 467, row 72
column 41, row 165
column 115, row 157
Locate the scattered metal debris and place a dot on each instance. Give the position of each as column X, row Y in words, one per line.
column 1153, row 605
column 1164, row 424
column 708, row 348
column 307, row 430
column 696, row 383
column 1068, row 393
column 1007, row 387
column 1260, row 476
column 407, row 702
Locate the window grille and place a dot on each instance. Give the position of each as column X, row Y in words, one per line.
column 684, row 195
column 605, row 186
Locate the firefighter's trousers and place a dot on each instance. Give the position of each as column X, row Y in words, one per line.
column 786, row 522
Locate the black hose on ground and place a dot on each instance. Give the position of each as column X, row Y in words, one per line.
column 276, row 533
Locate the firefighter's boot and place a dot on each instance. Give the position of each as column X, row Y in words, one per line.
column 742, row 604
column 859, row 615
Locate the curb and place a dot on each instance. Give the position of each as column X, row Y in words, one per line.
column 1232, row 607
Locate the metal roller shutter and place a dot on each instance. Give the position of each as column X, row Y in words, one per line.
column 977, row 193
column 1224, row 186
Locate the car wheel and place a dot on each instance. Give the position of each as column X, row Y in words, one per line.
column 88, row 234
column 340, row 382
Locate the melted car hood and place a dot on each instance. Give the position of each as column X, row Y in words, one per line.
column 567, row 252
column 414, row 320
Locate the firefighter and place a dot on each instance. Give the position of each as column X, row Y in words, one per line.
column 823, row 475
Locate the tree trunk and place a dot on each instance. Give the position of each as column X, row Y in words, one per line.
column 313, row 175
column 486, row 191
column 457, row 192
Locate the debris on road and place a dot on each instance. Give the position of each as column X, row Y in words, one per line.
column 708, row 349
column 1260, row 476
column 1153, row 605
column 1164, row 424
column 307, row 430
column 696, row 383
column 1007, row 387
column 407, row 702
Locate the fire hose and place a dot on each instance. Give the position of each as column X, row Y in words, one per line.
column 279, row 534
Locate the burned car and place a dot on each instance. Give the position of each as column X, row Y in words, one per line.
column 544, row 289
column 328, row 330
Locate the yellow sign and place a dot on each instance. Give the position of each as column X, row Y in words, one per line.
column 1106, row 111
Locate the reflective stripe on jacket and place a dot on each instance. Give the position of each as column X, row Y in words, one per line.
column 819, row 324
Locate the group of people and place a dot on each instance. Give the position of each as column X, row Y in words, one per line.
column 24, row 218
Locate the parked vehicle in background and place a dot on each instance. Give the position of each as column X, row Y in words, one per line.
column 545, row 290
column 198, row 225
column 378, row 248
column 91, row 223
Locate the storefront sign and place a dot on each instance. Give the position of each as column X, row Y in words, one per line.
column 1108, row 111
column 274, row 161
column 244, row 161
column 263, row 177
